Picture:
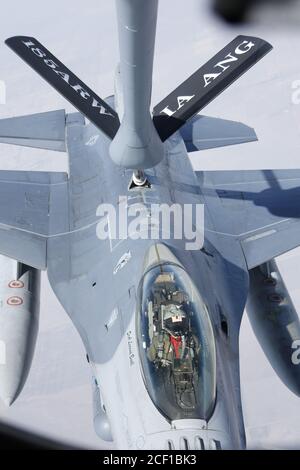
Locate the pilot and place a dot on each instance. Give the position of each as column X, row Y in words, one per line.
column 170, row 342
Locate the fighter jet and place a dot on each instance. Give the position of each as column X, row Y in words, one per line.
column 159, row 314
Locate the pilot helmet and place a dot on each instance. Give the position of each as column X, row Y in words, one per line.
column 176, row 320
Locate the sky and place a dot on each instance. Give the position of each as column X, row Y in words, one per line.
column 57, row 398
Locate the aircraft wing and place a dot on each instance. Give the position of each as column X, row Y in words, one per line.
column 33, row 207
column 261, row 209
column 204, row 132
column 41, row 130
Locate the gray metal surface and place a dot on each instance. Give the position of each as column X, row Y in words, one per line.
column 33, row 207
column 100, row 292
column 79, row 263
column 275, row 322
column 41, row 130
column 266, row 218
column 137, row 144
column 19, row 320
column 204, row 132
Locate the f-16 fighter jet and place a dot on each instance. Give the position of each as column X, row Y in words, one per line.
column 158, row 311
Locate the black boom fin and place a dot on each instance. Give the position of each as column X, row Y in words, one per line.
column 207, row 83
column 66, row 83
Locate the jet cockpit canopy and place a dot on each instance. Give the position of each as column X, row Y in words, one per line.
column 176, row 343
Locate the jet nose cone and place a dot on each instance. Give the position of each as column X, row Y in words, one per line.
column 18, row 333
column 8, row 401
column 10, row 387
column 13, row 372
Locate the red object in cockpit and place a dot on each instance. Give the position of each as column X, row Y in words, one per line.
column 176, row 343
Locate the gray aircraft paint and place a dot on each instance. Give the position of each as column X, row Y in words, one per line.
column 19, row 320
column 137, row 144
column 82, row 261
column 82, row 272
